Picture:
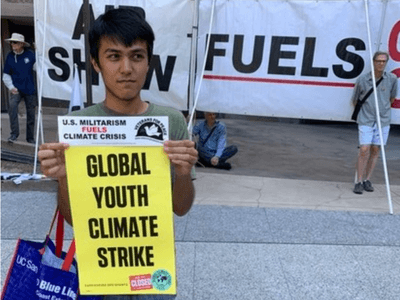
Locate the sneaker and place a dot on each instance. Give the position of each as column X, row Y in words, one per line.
column 31, row 141
column 368, row 186
column 358, row 188
column 12, row 139
column 224, row 166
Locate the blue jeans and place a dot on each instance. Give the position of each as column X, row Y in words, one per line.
column 226, row 154
column 30, row 104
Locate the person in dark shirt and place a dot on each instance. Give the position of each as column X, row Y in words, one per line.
column 18, row 78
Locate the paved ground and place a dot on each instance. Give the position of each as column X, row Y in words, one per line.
column 282, row 224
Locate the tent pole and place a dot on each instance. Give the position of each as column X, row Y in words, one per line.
column 88, row 65
column 39, row 127
column 378, row 42
column 377, row 112
column 204, row 66
column 193, row 61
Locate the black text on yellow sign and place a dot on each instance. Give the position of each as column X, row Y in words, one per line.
column 121, row 207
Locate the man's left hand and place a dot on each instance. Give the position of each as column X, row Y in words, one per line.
column 182, row 154
column 215, row 160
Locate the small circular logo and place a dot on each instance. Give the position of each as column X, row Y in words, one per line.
column 161, row 280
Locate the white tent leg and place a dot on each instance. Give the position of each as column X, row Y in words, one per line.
column 203, row 68
column 378, row 119
column 40, row 92
column 193, row 61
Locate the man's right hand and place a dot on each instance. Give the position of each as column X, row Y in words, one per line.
column 52, row 159
column 14, row 91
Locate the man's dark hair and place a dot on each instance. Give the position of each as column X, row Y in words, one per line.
column 124, row 25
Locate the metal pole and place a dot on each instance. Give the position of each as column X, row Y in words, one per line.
column 193, row 60
column 39, row 127
column 204, row 65
column 88, row 65
column 383, row 17
column 378, row 118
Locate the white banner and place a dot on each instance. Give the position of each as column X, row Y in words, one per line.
column 296, row 59
column 171, row 21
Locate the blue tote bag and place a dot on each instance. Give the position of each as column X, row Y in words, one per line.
column 42, row 271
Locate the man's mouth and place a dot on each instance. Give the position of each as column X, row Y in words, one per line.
column 126, row 81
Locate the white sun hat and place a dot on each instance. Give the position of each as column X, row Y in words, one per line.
column 16, row 37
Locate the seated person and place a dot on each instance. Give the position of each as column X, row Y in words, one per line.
column 212, row 143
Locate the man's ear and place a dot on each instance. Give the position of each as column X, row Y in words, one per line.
column 95, row 65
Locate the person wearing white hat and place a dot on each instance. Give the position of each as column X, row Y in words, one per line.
column 18, row 78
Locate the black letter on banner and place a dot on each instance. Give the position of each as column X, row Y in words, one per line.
column 276, row 54
column 215, row 52
column 78, row 30
column 163, row 78
column 94, row 233
column 76, row 54
column 356, row 60
column 123, row 164
column 238, row 54
column 59, row 63
column 308, row 58
column 101, row 252
column 112, row 165
column 91, row 165
column 149, row 256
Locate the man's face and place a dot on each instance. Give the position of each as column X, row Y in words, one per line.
column 210, row 117
column 380, row 63
column 123, row 69
column 17, row 46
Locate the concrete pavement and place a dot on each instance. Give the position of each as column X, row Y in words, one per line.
column 282, row 224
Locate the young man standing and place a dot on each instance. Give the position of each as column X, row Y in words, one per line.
column 369, row 141
column 121, row 45
column 18, row 78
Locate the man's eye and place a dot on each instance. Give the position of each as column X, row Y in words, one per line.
column 138, row 57
column 113, row 56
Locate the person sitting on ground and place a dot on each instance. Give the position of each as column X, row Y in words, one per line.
column 212, row 142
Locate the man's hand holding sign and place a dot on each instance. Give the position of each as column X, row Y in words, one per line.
column 183, row 156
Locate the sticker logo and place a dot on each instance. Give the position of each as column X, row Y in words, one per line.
column 140, row 282
column 161, row 280
column 26, row 60
column 151, row 128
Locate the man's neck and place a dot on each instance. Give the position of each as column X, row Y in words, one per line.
column 210, row 124
column 134, row 107
column 19, row 53
column 378, row 74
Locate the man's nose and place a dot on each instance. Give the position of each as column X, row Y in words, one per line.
column 126, row 66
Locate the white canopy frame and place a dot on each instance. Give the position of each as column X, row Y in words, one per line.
column 378, row 118
column 190, row 123
column 41, row 67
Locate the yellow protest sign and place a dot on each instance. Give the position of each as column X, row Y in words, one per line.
column 121, row 205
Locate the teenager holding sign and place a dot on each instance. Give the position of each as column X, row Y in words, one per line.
column 121, row 45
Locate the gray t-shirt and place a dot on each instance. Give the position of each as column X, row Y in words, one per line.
column 386, row 90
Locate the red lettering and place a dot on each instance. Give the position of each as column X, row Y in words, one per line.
column 394, row 53
column 94, row 129
column 393, row 38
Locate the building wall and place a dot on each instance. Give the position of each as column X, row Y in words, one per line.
column 16, row 8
